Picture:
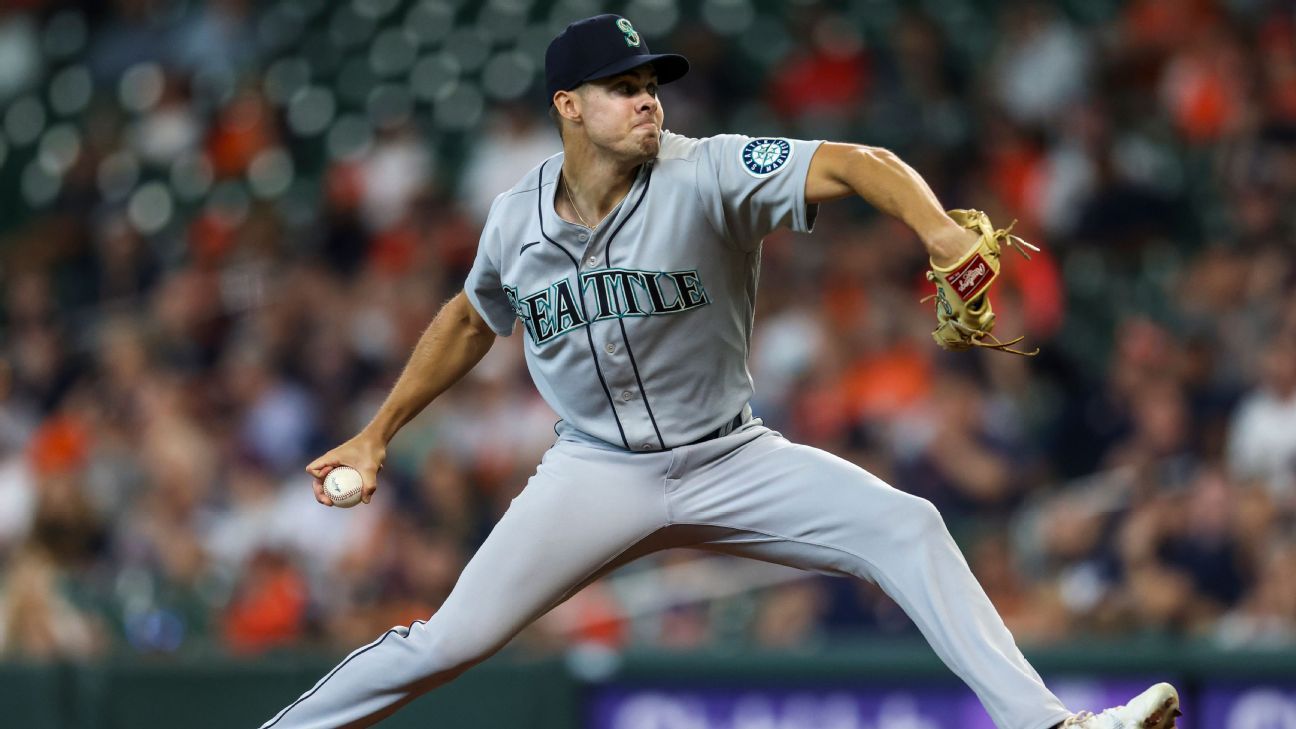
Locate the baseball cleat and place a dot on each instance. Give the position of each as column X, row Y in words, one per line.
column 1156, row 708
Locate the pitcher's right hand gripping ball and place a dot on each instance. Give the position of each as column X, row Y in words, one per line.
column 964, row 318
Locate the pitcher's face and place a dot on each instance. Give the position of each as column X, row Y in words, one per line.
column 623, row 115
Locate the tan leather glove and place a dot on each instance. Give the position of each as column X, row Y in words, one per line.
column 964, row 318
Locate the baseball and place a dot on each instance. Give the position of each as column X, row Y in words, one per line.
column 343, row 485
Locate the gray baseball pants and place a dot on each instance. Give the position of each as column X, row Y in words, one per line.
column 591, row 507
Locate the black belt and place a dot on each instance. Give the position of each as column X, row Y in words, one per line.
column 725, row 429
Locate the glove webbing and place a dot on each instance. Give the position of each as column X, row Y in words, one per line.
column 1016, row 243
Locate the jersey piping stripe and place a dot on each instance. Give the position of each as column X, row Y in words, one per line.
column 625, row 338
column 589, row 336
column 356, row 654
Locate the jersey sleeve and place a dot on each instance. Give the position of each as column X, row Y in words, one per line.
column 484, row 287
column 752, row 185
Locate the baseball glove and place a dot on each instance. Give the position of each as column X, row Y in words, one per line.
column 964, row 318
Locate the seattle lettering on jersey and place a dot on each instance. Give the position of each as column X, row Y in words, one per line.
column 614, row 293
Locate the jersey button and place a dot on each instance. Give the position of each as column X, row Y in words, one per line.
column 610, row 349
column 592, row 261
column 583, row 237
column 626, row 395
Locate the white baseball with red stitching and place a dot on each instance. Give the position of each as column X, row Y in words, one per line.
column 344, row 486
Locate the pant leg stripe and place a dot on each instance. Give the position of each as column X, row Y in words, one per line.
column 355, row 654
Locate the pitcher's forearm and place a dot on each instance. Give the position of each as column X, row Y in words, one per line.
column 453, row 344
column 889, row 184
column 895, row 188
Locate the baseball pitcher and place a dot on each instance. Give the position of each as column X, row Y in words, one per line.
column 629, row 264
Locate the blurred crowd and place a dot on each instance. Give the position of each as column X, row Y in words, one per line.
column 224, row 224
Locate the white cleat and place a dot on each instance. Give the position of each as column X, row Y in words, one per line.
column 1155, row 708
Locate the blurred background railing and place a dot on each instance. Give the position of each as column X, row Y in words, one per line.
column 861, row 683
column 223, row 224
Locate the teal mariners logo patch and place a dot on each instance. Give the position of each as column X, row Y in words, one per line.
column 614, row 293
column 631, row 35
column 763, row 157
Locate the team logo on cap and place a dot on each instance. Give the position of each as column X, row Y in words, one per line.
column 631, row 35
column 764, row 157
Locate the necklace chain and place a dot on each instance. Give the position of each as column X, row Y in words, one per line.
column 567, row 190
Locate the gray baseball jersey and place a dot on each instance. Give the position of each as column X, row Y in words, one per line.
column 637, row 335
column 638, row 331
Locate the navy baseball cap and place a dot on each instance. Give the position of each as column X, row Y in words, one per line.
column 603, row 46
